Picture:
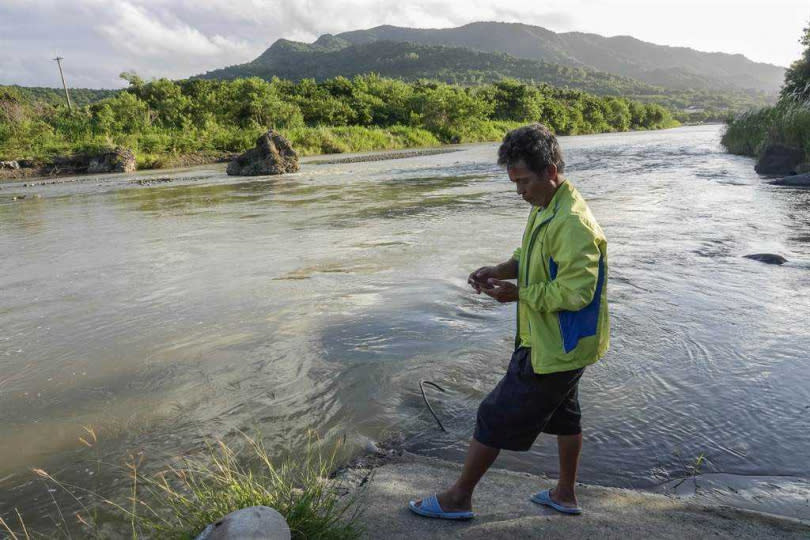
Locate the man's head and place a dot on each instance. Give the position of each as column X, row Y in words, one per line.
column 534, row 162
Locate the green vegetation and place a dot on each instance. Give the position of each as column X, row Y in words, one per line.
column 788, row 122
column 696, row 101
column 499, row 48
column 56, row 96
column 180, row 501
column 162, row 118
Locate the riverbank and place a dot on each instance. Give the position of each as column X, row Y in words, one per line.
column 504, row 510
column 41, row 176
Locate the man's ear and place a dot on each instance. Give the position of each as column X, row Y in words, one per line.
column 551, row 172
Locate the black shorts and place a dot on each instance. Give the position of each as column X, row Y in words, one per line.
column 524, row 404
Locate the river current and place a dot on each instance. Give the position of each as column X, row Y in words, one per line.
column 167, row 308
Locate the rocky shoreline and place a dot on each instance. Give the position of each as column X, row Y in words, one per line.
column 80, row 165
column 29, row 169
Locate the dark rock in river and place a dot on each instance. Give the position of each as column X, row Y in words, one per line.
column 109, row 161
column 778, row 159
column 800, row 180
column 769, row 258
column 802, row 168
column 255, row 522
column 272, row 155
column 116, row 160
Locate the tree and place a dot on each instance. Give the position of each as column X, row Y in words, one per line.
column 132, row 78
column 255, row 103
column 167, row 101
column 618, row 114
column 447, row 110
column 516, row 101
column 797, row 76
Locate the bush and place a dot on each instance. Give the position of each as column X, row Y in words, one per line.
column 787, row 123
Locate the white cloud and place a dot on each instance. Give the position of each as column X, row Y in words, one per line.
column 178, row 38
column 134, row 30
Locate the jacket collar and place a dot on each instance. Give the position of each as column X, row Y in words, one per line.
column 563, row 192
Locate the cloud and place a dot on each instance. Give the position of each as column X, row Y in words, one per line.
column 179, row 38
column 135, row 30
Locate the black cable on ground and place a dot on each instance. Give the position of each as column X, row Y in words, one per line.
column 437, row 387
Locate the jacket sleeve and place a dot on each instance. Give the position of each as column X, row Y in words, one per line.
column 575, row 250
column 516, row 254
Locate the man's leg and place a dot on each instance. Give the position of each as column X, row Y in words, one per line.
column 459, row 497
column 569, row 447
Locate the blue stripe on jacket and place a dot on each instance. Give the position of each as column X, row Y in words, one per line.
column 575, row 325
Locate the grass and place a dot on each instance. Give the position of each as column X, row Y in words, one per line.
column 181, row 500
column 787, row 123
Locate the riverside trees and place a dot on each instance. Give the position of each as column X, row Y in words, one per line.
column 788, row 122
column 166, row 117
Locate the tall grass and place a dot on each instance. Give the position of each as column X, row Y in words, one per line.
column 181, row 500
column 788, row 123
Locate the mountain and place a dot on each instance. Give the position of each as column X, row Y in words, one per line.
column 660, row 65
column 329, row 57
column 680, row 78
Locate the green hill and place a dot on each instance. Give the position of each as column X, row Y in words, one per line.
column 56, row 96
column 660, row 65
column 410, row 61
column 332, row 56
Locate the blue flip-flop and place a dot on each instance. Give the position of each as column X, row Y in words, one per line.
column 430, row 508
column 544, row 498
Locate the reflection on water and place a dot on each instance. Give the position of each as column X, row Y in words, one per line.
column 170, row 313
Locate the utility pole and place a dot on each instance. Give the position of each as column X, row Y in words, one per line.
column 67, row 95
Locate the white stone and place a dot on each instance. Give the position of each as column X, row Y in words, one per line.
column 253, row 523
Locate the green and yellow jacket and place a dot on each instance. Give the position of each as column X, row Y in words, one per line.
column 562, row 280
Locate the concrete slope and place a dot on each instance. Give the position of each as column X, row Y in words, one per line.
column 504, row 510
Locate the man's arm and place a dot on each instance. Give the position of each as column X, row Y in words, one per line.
column 507, row 270
column 577, row 272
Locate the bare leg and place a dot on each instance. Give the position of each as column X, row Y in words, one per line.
column 459, row 497
column 569, row 447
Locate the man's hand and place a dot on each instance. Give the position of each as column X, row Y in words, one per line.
column 478, row 279
column 502, row 291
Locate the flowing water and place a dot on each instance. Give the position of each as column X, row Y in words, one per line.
column 192, row 305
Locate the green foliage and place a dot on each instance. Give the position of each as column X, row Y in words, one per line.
column 788, row 122
column 367, row 112
column 181, row 499
column 745, row 135
column 56, row 96
column 797, row 77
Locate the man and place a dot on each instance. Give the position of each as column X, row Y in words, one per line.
column 561, row 295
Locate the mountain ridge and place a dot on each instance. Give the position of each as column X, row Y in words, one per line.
column 591, row 50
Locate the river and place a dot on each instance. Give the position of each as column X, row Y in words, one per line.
column 167, row 308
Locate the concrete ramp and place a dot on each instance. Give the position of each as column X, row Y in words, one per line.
column 504, row 510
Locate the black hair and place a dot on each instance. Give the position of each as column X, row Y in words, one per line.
column 534, row 145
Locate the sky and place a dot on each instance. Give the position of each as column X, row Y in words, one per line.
column 99, row 39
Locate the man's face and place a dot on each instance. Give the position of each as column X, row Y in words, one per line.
column 535, row 189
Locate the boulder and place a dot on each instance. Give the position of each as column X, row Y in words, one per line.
column 9, row 165
column 116, row 160
column 252, row 523
column 802, row 168
column 769, row 258
column 272, row 155
column 798, row 180
column 778, row 159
